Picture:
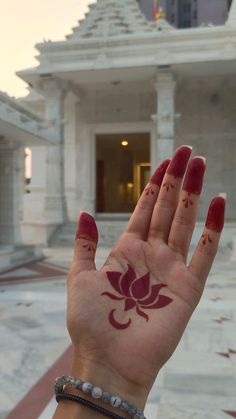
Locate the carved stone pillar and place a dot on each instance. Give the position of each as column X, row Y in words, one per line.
column 11, row 190
column 232, row 14
column 165, row 117
column 55, row 207
column 45, row 206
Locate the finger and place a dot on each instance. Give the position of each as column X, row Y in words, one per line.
column 169, row 194
column 86, row 240
column 205, row 252
column 185, row 216
column 140, row 219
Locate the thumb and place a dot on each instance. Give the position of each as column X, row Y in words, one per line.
column 86, row 240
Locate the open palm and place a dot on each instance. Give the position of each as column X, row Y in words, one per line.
column 126, row 319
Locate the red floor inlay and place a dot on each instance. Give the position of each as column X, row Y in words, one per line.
column 40, row 270
column 35, row 401
column 232, row 414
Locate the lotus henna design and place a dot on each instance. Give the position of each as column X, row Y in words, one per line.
column 136, row 292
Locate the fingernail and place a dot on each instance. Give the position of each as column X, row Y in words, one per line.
column 215, row 216
column 194, row 176
column 87, row 228
column 179, row 161
column 159, row 174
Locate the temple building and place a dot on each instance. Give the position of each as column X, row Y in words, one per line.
column 121, row 93
column 188, row 13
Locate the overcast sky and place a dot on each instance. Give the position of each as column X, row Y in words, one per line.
column 23, row 23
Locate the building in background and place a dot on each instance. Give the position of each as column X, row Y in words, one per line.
column 188, row 13
column 122, row 93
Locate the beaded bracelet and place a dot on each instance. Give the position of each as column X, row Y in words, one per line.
column 89, row 404
column 97, row 393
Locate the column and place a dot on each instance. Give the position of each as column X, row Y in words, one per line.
column 165, row 117
column 45, row 206
column 55, row 206
column 11, row 188
column 72, row 181
column 232, row 14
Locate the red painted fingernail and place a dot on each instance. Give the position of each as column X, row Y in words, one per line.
column 159, row 174
column 87, row 228
column 216, row 213
column 194, row 176
column 179, row 162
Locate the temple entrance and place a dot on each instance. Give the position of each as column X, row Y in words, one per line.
column 122, row 170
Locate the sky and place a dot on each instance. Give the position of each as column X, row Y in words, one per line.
column 23, row 23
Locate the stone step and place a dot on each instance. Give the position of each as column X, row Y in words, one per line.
column 12, row 256
column 109, row 232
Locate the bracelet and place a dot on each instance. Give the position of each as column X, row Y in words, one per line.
column 97, row 393
column 87, row 403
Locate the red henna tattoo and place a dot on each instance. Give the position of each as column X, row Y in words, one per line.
column 179, row 162
column 168, row 185
column 116, row 324
column 87, row 228
column 215, row 216
column 187, row 201
column 136, row 293
column 89, row 247
column 206, row 239
column 194, row 176
column 148, row 190
column 159, row 174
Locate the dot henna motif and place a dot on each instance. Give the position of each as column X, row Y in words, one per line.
column 89, row 247
column 137, row 293
column 206, row 239
column 148, row 190
column 168, row 185
column 187, row 201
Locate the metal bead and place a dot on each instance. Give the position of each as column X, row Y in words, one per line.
column 115, row 401
column 106, row 397
column 72, row 382
column 96, row 392
column 87, row 387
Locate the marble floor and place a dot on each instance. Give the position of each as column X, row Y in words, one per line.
column 199, row 382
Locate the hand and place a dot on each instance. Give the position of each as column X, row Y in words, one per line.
column 126, row 319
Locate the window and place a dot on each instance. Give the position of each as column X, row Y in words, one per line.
column 28, row 169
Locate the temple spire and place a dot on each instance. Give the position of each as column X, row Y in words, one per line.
column 109, row 18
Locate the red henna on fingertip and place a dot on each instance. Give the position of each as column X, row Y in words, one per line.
column 215, row 216
column 87, row 228
column 159, row 174
column 179, row 161
column 194, row 176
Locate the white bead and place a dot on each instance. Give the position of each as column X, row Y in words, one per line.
column 87, row 387
column 97, row 392
column 115, row 401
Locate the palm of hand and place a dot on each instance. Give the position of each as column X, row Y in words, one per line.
column 113, row 318
column 151, row 340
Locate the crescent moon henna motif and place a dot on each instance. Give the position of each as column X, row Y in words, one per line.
column 116, row 324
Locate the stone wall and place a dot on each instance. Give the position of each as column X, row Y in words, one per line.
column 207, row 108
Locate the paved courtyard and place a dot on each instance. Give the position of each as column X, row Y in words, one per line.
column 199, row 382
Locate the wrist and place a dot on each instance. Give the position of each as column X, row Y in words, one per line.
column 108, row 379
